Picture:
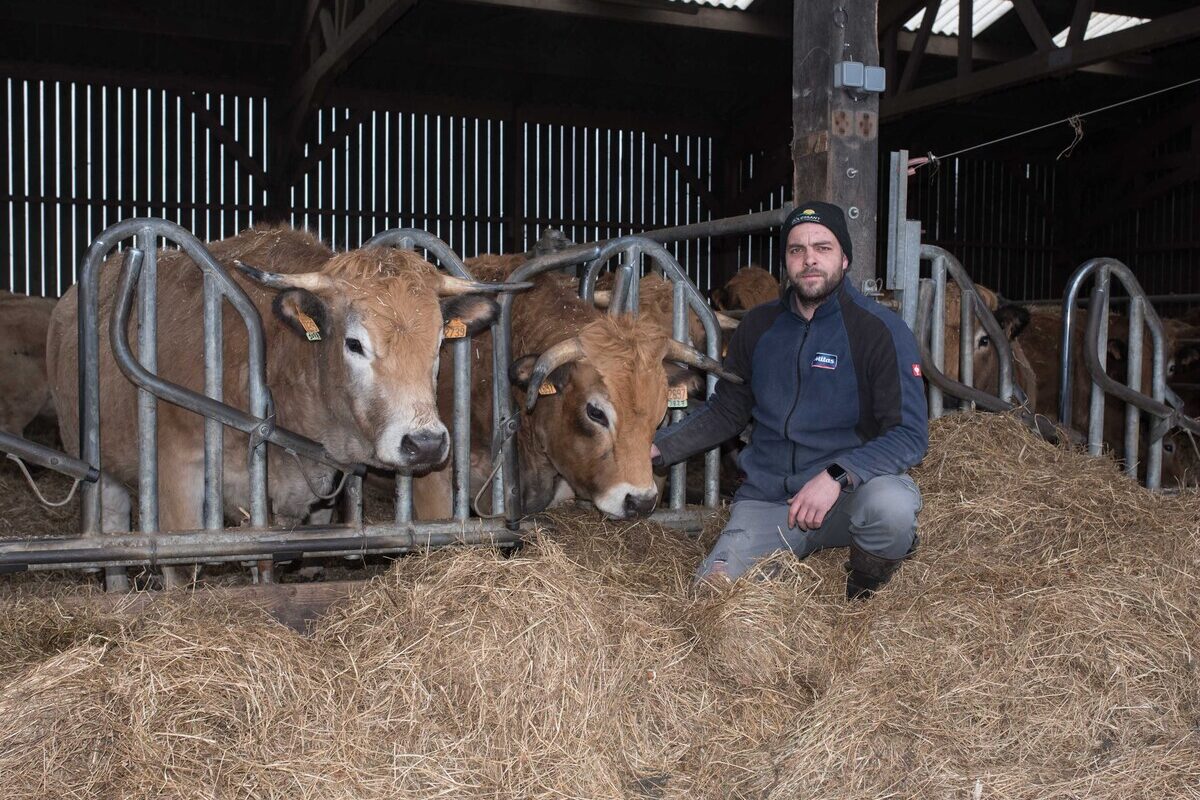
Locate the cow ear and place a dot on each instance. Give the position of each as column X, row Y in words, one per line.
column 1013, row 319
column 475, row 311
column 303, row 312
column 522, row 370
column 718, row 298
column 1116, row 349
column 690, row 379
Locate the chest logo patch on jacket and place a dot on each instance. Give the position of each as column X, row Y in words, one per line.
column 825, row 361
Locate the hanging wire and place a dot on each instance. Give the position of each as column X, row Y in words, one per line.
column 1074, row 121
column 33, row 485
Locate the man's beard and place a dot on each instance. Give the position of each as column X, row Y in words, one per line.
column 814, row 296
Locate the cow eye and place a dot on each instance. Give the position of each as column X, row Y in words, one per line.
column 1168, row 447
column 354, row 346
column 597, row 415
column 984, row 341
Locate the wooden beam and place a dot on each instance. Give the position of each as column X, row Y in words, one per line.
column 1034, row 24
column 918, row 50
column 1079, row 21
column 686, row 16
column 689, row 175
column 223, row 135
column 1160, row 32
column 950, row 47
column 835, row 144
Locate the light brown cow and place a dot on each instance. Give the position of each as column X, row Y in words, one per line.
column 365, row 389
column 603, row 396
column 750, row 286
column 24, row 392
column 656, row 304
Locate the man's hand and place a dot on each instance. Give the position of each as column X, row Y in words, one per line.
column 810, row 505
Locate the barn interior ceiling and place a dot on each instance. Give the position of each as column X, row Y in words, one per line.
column 653, row 64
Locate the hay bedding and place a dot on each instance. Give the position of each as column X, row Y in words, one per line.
column 1042, row 645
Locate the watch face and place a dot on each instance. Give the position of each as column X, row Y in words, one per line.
column 835, row 472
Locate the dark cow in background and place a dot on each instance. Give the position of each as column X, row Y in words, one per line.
column 1043, row 342
column 24, row 390
column 601, row 386
column 365, row 388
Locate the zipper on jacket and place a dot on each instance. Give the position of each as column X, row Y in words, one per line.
column 795, row 400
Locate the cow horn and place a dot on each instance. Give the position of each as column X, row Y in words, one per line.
column 312, row 281
column 451, row 285
column 726, row 322
column 562, row 353
column 678, row 351
column 602, row 298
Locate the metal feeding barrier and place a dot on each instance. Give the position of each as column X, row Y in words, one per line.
column 1161, row 404
column 115, row 550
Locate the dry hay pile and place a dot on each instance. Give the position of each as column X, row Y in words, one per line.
column 1041, row 645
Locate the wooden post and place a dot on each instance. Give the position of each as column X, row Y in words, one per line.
column 835, row 139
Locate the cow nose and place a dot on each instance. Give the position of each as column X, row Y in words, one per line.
column 423, row 447
column 639, row 505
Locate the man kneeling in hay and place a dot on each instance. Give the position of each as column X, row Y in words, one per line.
column 833, row 384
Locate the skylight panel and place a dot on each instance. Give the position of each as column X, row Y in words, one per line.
column 1100, row 24
column 740, row 5
column 945, row 22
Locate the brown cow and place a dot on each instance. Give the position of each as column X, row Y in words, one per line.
column 603, row 392
column 24, row 392
column 750, row 286
column 365, row 388
column 656, row 303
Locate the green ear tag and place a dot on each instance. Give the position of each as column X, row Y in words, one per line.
column 310, row 328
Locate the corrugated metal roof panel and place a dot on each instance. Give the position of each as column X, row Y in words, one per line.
column 945, row 22
column 1100, row 24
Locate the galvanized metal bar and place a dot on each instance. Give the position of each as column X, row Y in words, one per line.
column 622, row 279
column 214, row 431
column 462, row 427
column 352, row 502
column 1098, row 312
column 411, row 238
column 499, row 409
column 240, row 544
column 147, row 403
column 679, row 333
column 937, row 335
column 404, row 509
column 910, row 272
column 48, row 457
column 966, row 336
column 897, row 211
column 1133, row 378
column 632, row 263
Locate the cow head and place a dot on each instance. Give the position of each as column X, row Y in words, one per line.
column 375, row 319
column 1180, row 460
column 749, row 287
column 594, row 402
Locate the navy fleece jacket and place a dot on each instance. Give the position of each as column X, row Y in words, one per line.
column 844, row 388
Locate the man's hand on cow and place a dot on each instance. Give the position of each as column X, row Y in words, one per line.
column 810, row 505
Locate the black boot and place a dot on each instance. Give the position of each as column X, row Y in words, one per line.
column 868, row 572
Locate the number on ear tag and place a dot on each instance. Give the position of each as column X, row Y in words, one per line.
column 310, row 328
column 455, row 329
column 677, row 397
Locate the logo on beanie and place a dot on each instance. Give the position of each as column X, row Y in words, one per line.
column 808, row 215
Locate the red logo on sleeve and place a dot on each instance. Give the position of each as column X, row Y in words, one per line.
column 916, row 368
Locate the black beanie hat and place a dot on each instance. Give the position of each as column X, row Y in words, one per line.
column 825, row 214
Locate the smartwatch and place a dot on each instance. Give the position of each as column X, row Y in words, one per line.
column 839, row 474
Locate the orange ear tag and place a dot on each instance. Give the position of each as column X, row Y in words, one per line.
column 677, row 397
column 546, row 389
column 455, row 329
column 310, row 328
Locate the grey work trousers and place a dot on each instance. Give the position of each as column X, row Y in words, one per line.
column 880, row 516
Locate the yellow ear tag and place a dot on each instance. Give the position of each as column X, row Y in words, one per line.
column 677, row 397
column 546, row 389
column 310, row 328
column 455, row 329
